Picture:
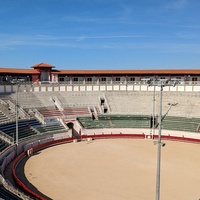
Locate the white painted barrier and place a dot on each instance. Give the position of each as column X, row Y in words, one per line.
column 96, row 87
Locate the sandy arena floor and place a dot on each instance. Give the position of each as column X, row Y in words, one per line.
column 116, row 169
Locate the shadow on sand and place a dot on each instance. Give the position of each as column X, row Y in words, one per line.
column 20, row 173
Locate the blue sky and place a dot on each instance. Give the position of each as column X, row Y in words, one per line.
column 100, row 34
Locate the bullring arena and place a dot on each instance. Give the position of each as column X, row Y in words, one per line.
column 115, row 169
column 100, row 140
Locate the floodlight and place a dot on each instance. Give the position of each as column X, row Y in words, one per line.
column 162, row 144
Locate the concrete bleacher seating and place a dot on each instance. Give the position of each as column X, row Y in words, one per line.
column 6, row 114
column 50, row 112
column 6, row 195
column 51, row 127
column 3, row 145
column 116, row 121
column 76, row 103
column 24, row 128
column 140, row 121
column 131, row 121
column 45, row 98
column 181, row 124
column 3, row 118
column 88, row 122
column 80, row 99
column 6, row 96
column 69, row 99
column 66, row 112
column 119, row 102
column 27, row 100
column 138, row 102
column 76, row 111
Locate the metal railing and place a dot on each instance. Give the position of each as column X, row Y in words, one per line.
column 96, row 82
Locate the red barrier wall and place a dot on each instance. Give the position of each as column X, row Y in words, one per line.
column 180, row 139
column 16, row 161
column 22, row 155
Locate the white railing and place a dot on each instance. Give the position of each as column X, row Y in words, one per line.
column 57, row 103
column 2, row 102
column 188, row 86
column 39, row 116
column 34, row 129
column 6, row 137
column 63, row 123
column 21, row 111
column 182, row 82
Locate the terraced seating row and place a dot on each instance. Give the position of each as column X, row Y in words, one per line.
column 70, row 111
column 3, row 145
column 103, row 123
column 140, row 121
column 79, row 99
column 6, row 115
column 131, row 123
column 140, row 117
column 27, row 100
column 181, row 124
column 3, row 118
column 116, row 121
column 48, row 128
column 5, row 194
column 141, row 102
column 119, row 102
column 76, row 111
column 185, row 119
column 47, row 112
column 69, row 99
column 24, row 128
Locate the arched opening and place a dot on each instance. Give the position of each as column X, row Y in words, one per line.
column 70, row 125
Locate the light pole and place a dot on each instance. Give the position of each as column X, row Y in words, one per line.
column 161, row 83
column 16, row 110
column 159, row 147
column 154, row 101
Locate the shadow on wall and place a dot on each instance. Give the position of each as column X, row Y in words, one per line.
column 74, row 132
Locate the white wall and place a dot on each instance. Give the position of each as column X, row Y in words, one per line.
column 89, row 87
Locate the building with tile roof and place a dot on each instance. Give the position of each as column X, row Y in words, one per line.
column 43, row 72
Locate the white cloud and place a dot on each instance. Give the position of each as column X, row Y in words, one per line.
column 176, row 4
column 122, row 42
column 49, row 40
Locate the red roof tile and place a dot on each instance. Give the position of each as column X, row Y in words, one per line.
column 136, row 72
column 18, row 71
column 42, row 65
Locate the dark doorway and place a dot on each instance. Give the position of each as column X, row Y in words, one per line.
column 75, row 134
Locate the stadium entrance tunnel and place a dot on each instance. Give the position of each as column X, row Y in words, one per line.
column 70, row 125
column 75, row 134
